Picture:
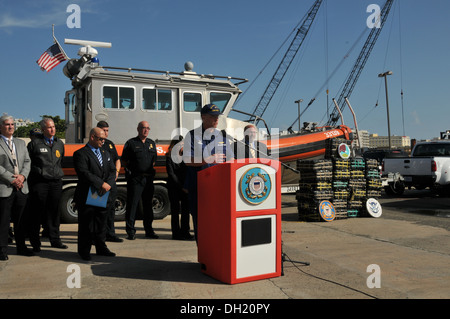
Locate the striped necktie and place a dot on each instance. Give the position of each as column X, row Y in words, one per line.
column 99, row 156
column 252, row 150
column 13, row 155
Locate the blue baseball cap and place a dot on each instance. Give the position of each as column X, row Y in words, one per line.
column 35, row 132
column 210, row 109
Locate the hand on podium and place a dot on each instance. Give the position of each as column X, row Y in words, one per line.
column 216, row 158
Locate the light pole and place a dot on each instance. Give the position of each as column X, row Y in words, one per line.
column 385, row 74
column 299, row 124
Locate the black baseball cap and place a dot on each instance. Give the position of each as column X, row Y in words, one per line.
column 210, row 109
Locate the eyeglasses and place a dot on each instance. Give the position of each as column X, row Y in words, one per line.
column 101, row 139
column 145, row 128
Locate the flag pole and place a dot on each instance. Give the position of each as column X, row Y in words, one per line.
column 56, row 41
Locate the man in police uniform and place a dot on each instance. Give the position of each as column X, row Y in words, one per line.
column 205, row 146
column 138, row 158
column 109, row 146
column 46, row 154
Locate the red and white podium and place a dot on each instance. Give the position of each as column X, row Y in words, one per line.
column 239, row 220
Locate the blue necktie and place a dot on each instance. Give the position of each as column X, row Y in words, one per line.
column 99, row 156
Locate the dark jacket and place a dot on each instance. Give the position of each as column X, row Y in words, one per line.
column 242, row 149
column 46, row 160
column 91, row 174
column 176, row 174
column 139, row 158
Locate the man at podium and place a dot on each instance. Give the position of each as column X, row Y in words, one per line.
column 205, row 146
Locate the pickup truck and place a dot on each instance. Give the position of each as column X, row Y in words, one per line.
column 427, row 166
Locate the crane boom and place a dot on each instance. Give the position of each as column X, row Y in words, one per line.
column 289, row 56
column 359, row 64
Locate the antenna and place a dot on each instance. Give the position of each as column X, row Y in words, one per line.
column 88, row 46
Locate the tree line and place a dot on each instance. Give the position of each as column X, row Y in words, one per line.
column 60, row 124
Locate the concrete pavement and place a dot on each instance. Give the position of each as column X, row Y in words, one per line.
column 412, row 261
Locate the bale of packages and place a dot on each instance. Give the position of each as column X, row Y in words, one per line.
column 315, row 186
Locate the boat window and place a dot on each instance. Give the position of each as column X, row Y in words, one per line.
column 154, row 99
column 192, row 102
column 71, row 107
column 220, row 99
column 118, row 97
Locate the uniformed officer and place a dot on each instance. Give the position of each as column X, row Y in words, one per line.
column 138, row 158
column 109, row 146
column 46, row 154
column 205, row 146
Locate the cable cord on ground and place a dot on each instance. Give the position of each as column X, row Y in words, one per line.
column 285, row 257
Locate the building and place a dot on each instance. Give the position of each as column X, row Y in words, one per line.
column 20, row 122
column 376, row 141
column 364, row 138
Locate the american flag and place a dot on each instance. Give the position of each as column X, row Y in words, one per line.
column 51, row 58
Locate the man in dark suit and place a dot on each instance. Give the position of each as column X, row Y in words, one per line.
column 111, row 148
column 250, row 147
column 14, row 169
column 96, row 171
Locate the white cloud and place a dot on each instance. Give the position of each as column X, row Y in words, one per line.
column 416, row 117
column 42, row 14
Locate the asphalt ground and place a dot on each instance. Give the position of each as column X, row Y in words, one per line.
column 404, row 254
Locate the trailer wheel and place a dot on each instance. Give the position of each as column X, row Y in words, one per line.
column 69, row 214
column 120, row 204
column 161, row 203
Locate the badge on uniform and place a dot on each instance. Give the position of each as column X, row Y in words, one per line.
column 58, row 154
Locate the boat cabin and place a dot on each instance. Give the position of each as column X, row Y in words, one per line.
column 169, row 101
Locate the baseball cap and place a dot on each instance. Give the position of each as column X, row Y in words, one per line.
column 210, row 109
column 35, row 132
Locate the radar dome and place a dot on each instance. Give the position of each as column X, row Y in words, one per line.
column 189, row 66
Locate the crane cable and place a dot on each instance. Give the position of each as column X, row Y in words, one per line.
column 401, row 64
column 273, row 56
column 401, row 72
column 292, row 75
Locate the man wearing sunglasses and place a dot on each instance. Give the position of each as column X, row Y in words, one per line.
column 96, row 172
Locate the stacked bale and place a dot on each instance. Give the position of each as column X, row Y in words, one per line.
column 346, row 183
column 315, row 186
column 357, row 187
column 373, row 179
column 332, row 147
column 341, row 177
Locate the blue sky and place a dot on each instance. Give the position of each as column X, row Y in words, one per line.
column 237, row 38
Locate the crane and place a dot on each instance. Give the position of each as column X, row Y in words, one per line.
column 289, row 56
column 359, row 64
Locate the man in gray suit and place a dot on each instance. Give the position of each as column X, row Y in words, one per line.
column 14, row 170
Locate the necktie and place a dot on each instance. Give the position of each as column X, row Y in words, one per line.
column 252, row 151
column 13, row 155
column 99, row 156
